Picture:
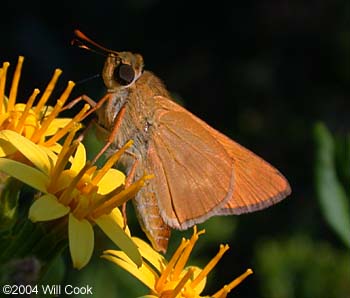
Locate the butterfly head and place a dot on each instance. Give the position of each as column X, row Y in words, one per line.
column 121, row 70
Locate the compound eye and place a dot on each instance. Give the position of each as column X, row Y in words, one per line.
column 124, row 74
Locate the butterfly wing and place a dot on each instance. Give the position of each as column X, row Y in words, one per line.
column 204, row 173
column 193, row 171
column 257, row 184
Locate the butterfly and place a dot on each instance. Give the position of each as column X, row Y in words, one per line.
column 198, row 171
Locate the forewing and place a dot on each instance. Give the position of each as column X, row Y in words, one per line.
column 193, row 172
column 256, row 184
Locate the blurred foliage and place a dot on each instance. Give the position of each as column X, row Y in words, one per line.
column 332, row 180
column 9, row 195
column 55, row 272
column 300, row 267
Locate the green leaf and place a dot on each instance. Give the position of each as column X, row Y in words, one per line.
column 55, row 272
column 331, row 193
column 342, row 150
column 9, row 196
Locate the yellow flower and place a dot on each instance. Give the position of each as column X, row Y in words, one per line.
column 70, row 186
column 172, row 279
column 37, row 123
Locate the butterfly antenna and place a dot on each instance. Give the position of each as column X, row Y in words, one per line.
column 82, row 41
column 88, row 79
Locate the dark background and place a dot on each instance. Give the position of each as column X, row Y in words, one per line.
column 262, row 72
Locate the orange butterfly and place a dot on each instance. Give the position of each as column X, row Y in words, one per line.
column 199, row 172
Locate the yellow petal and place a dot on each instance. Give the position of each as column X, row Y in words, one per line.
column 51, row 152
column 110, row 181
column 55, row 125
column 44, row 110
column 25, row 173
column 63, row 181
column 30, row 150
column 79, row 160
column 149, row 254
column 47, row 208
column 110, row 226
column 199, row 288
column 119, row 219
column 20, row 107
column 55, row 148
column 144, row 273
column 6, row 148
column 81, row 241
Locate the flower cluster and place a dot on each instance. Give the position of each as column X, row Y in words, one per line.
column 173, row 278
column 68, row 185
column 38, row 123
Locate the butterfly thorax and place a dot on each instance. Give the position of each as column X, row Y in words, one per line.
column 138, row 99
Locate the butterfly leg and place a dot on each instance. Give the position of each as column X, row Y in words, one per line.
column 128, row 181
column 113, row 133
column 83, row 97
column 94, row 105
